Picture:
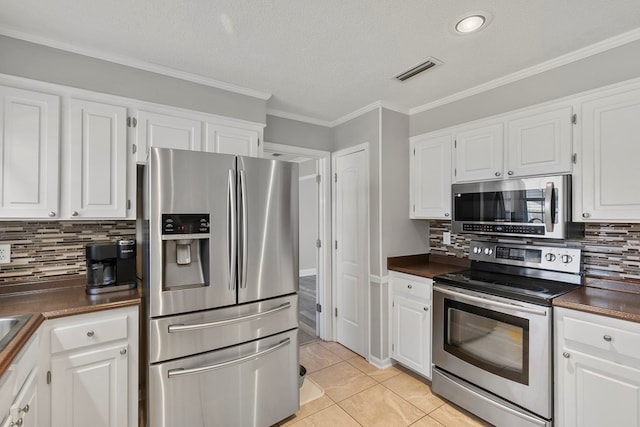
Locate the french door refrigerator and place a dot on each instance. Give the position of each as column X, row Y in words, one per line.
column 220, row 274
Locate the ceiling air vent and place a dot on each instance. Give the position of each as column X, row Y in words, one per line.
column 417, row 69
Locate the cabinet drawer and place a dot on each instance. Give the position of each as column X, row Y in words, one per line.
column 603, row 337
column 412, row 288
column 71, row 337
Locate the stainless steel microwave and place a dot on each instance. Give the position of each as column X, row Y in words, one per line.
column 530, row 207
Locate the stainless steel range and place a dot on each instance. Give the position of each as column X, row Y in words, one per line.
column 492, row 333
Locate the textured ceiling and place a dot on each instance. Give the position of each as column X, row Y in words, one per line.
column 324, row 59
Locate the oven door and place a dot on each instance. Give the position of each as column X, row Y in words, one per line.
column 498, row 344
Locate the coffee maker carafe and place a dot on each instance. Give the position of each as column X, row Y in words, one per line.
column 111, row 266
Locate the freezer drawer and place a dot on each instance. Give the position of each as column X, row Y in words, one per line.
column 183, row 335
column 252, row 384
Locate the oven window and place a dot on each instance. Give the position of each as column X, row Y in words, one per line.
column 490, row 340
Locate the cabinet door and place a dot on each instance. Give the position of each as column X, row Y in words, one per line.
column 412, row 334
column 540, row 143
column 479, row 153
column 231, row 140
column 610, row 153
column 24, row 410
column 430, row 172
column 97, row 160
column 29, row 154
column 90, row 388
column 162, row 130
column 596, row 392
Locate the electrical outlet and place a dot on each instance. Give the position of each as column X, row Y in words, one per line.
column 5, row 254
column 446, row 238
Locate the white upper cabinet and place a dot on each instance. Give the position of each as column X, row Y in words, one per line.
column 97, row 160
column 531, row 142
column 29, row 154
column 231, row 140
column 539, row 143
column 430, row 177
column 166, row 131
column 479, row 152
column 608, row 158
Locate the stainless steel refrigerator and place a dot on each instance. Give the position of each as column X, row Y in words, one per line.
column 220, row 274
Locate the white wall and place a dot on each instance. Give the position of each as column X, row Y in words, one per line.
column 299, row 134
column 308, row 215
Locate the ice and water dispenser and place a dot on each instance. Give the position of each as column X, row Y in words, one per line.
column 185, row 250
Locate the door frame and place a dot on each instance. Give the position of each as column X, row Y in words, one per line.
column 334, row 155
column 324, row 275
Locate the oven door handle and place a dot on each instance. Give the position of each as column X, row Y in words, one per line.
column 490, row 301
column 195, row 326
column 178, row 372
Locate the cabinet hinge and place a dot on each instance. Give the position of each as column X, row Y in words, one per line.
column 414, row 208
column 336, row 310
column 455, row 171
column 574, row 158
column 129, row 204
column 134, row 148
column 414, row 151
column 335, row 177
column 336, row 245
column 318, row 179
column 393, row 303
column 318, row 243
column 574, row 119
column 132, row 122
column 48, row 377
column 319, row 308
column 393, row 347
column 258, row 142
column 455, row 143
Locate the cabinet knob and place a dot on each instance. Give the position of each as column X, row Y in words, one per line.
column 52, row 214
column 17, row 423
column 409, row 286
column 90, row 334
column 25, row 409
column 74, row 213
column 446, row 214
column 607, row 338
column 566, row 355
column 426, row 308
column 510, row 173
column 586, row 215
column 497, row 174
column 123, row 351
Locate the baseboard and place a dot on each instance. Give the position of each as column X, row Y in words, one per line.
column 307, row 272
column 380, row 363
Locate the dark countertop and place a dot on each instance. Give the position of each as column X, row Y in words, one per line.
column 426, row 265
column 51, row 300
column 605, row 297
column 609, row 298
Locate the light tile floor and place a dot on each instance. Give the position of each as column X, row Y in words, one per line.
column 358, row 394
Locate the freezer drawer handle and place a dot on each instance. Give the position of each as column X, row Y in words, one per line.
column 196, row 326
column 181, row 371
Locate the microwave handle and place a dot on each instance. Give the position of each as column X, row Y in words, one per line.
column 548, row 207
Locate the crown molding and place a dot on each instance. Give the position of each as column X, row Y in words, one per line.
column 576, row 55
column 297, row 117
column 135, row 63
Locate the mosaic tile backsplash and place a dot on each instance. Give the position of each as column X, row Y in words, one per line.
column 54, row 249
column 611, row 251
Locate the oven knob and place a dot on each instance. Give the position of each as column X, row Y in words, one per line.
column 476, row 250
column 550, row 257
column 488, row 251
column 566, row 259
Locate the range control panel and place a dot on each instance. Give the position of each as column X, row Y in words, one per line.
column 543, row 257
column 173, row 224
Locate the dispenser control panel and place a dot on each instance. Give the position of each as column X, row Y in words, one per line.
column 185, row 224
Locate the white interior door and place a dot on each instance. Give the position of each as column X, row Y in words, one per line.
column 351, row 189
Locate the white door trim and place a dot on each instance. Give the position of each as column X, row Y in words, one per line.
column 324, row 277
column 350, row 150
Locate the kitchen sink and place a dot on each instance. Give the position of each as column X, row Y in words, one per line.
column 9, row 328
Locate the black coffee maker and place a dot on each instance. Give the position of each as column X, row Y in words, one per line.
column 111, row 266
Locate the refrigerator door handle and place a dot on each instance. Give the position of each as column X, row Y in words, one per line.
column 231, row 229
column 181, row 371
column 243, row 227
column 197, row 326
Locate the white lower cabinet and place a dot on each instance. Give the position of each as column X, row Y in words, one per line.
column 597, row 369
column 411, row 322
column 93, row 369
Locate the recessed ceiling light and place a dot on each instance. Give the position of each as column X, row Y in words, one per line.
column 470, row 24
